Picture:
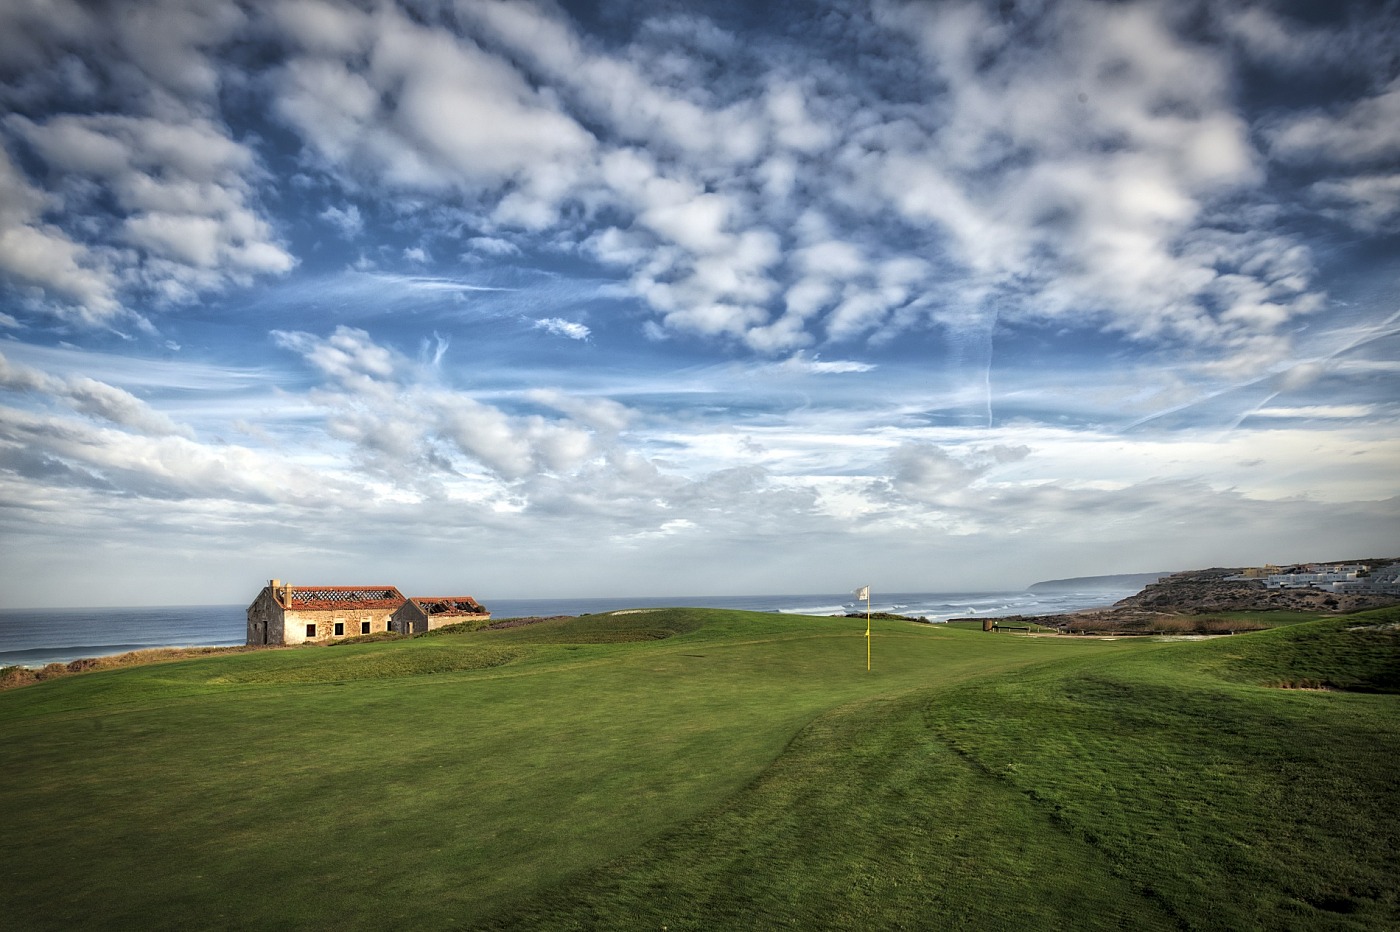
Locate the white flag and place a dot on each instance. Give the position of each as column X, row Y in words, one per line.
column 862, row 593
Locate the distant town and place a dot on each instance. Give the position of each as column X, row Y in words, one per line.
column 1334, row 577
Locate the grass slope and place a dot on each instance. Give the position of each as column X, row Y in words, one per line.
column 694, row 768
column 1168, row 788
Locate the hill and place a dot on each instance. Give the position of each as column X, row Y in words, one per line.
column 1206, row 591
column 1118, row 581
column 710, row 769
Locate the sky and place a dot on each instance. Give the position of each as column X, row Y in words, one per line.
column 529, row 300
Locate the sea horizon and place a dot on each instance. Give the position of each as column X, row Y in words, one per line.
column 37, row 636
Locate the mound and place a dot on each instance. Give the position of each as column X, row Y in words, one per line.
column 612, row 628
column 318, row 667
column 1356, row 654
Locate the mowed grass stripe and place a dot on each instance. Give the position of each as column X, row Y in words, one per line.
column 866, row 822
column 1170, row 787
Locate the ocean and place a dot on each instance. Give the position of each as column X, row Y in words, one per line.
column 34, row 637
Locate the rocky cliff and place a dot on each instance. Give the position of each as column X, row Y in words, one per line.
column 1203, row 591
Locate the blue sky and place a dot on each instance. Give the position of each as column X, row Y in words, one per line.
column 530, row 300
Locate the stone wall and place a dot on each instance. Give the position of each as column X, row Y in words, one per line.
column 352, row 620
column 269, row 623
column 264, row 620
column 410, row 618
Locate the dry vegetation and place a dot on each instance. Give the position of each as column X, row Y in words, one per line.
column 11, row 677
column 1122, row 623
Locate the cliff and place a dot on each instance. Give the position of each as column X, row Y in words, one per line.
column 1202, row 591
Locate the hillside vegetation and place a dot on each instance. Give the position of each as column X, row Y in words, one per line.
column 711, row 769
column 1205, row 591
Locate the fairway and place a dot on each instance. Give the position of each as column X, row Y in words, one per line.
column 689, row 768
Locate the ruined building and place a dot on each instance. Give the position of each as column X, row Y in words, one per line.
column 420, row 614
column 284, row 614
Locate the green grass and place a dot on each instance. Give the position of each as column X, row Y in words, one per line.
column 1270, row 619
column 710, row 769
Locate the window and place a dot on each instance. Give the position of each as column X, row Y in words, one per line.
column 364, row 627
column 340, row 629
column 311, row 631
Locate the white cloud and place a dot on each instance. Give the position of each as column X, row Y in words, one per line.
column 370, row 99
column 348, row 356
column 91, row 397
column 347, row 220
column 405, row 427
column 562, row 328
column 1056, row 162
column 185, row 196
column 321, row 27
column 1357, row 146
column 618, row 88
column 493, row 246
column 799, row 362
column 1365, row 131
column 1368, row 202
column 1123, row 133
column 600, row 414
column 1317, row 411
column 39, row 254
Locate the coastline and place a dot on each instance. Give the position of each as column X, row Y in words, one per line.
column 35, row 638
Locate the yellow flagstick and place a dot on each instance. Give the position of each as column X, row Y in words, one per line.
column 864, row 593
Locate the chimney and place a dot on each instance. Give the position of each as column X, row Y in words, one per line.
column 274, row 583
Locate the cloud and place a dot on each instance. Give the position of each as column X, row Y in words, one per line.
column 1317, row 411
column 418, row 434
column 562, row 328
column 601, row 414
column 1363, row 131
column 1370, row 203
column 147, row 195
column 349, row 357
column 1064, row 180
column 926, row 473
column 1060, row 162
column 620, row 90
column 368, row 92
column 91, row 397
column 1355, row 147
column 182, row 192
column 156, row 55
column 493, row 246
column 347, row 220
column 1065, row 256
column 799, row 362
column 1068, row 173
column 162, row 467
column 41, row 255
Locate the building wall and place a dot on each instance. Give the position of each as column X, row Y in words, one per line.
column 324, row 620
column 269, row 623
column 410, row 618
column 265, row 619
column 442, row 621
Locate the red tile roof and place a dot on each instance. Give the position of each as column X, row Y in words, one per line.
column 324, row 598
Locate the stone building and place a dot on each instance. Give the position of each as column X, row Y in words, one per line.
column 283, row 614
column 420, row 614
